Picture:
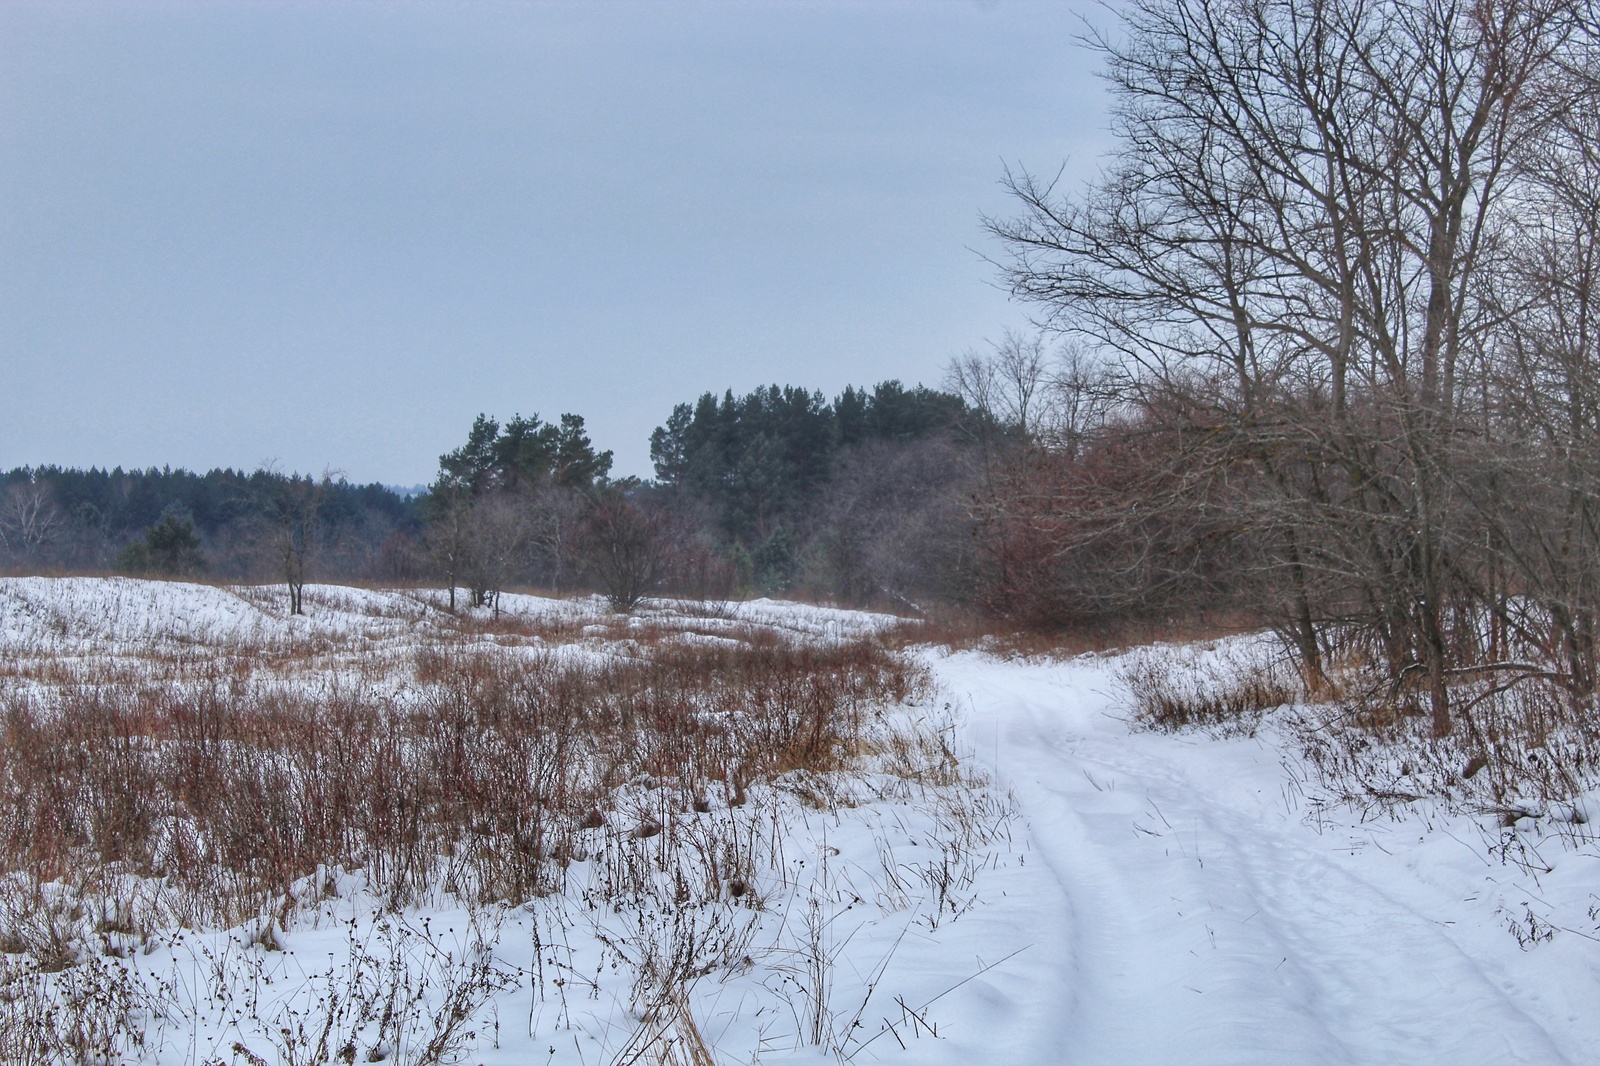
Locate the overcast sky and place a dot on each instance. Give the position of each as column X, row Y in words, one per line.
column 330, row 234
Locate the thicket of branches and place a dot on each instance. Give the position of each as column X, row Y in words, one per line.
column 508, row 505
column 1339, row 279
column 777, row 491
column 859, row 499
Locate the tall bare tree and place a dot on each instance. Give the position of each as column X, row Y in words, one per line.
column 497, row 528
column 628, row 549
column 29, row 520
column 1292, row 257
column 293, row 507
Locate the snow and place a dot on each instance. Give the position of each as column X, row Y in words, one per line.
column 72, row 613
column 1214, row 915
column 1113, row 895
column 585, row 954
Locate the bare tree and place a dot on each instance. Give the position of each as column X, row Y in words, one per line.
column 496, row 529
column 29, row 519
column 1007, row 384
column 896, row 526
column 555, row 515
column 448, row 538
column 293, row 508
column 1534, row 478
column 627, row 549
column 1291, row 257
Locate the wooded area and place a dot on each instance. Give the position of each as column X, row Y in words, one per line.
column 224, row 524
column 1339, row 280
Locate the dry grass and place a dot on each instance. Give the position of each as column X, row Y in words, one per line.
column 1527, row 749
column 77, row 1014
column 160, row 785
column 965, row 630
column 187, row 804
column 1204, row 686
column 490, row 762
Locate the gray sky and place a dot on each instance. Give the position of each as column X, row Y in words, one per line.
column 331, row 234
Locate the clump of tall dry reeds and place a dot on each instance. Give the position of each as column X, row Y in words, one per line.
column 1216, row 688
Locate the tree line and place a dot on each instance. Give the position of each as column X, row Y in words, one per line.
column 778, row 491
column 224, row 523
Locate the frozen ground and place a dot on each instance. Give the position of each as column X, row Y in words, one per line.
column 1150, row 898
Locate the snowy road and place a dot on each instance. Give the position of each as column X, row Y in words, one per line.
column 1202, row 920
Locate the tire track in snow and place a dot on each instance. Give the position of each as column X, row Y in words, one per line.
column 1205, row 923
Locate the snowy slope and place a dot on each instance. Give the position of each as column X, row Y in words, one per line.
column 886, row 900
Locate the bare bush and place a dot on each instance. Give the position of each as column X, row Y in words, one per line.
column 1526, row 749
column 400, row 995
column 89, row 1012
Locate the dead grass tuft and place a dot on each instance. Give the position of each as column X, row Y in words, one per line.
column 1219, row 689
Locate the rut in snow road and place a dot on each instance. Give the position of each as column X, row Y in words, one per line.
column 1204, row 921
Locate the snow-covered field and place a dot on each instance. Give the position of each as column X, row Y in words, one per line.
column 1077, row 890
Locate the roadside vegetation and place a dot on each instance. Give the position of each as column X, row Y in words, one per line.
column 183, row 810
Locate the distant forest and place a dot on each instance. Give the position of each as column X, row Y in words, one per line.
column 225, row 523
column 865, row 499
